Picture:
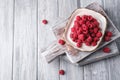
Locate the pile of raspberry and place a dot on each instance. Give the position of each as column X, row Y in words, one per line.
column 85, row 30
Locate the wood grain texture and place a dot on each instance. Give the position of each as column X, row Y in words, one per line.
column 96, row 70
column 66, row 7
column 112, row 8
column 47, row 9
column 25, row 40
column 6, row 39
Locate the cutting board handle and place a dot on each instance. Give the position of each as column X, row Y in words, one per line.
column 53, row 51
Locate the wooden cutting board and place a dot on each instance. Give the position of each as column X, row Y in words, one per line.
column 98, row 55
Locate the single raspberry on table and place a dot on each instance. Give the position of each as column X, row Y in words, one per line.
column 107, row 38
column 106, row 50
column 62, row 42
column 44, row 21
column 109, row 33
column 61, row 72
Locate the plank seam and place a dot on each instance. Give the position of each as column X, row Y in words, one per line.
column 13, row 39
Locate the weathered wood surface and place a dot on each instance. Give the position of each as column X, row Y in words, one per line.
column 23, row 37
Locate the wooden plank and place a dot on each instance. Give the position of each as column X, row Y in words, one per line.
column 72, row 72
column 25, row 40
column 113, row 9
column 47, row 9
column 96, row 70
column 6, row 39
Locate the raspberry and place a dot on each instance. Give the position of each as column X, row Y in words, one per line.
column 89, row 39
column 84, row 17
column 91, row 30
column 95, row 30
column 61, row 72
column 79, row 41
column 44, row 21
column 96, row 39
column 78, row 18
column 87, row 43
column 73, row 29
column 94, row 43
column 96, row 23
column 90, row 18
column 107, row 38
column 81, row 36
column 62, row 42
column 90, row 25
column 71, row 35
column 76, row 23
column 84, row 27
column 99, row 34
column 81, row 22
column 75, row 36
column 93, row 34
column 108, row 33
column 106, row 50
column 85, row 32
column 79, row 44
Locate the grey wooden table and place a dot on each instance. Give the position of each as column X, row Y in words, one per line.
column 22, row 37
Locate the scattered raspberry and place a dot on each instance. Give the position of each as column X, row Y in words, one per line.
column 44, row 21
column 108, row 33
column 61, row 72
column 106, row 50
column 62, row 42
column 106, row 38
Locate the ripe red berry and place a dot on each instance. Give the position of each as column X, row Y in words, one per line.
column 90, row 18
column 78, row 18
column 106, row 50
column 108, row 33
column 94, row 43
column 95, row 30
column 61, row 72
column 96, row 39
column 79, row 45
column 81, row 37
column 44, row 21
column 89, row 39
column 73, row 29
column 62, row 42
column 84, row 27
column 87, row 43
column 107, row 38
column 99, row 34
